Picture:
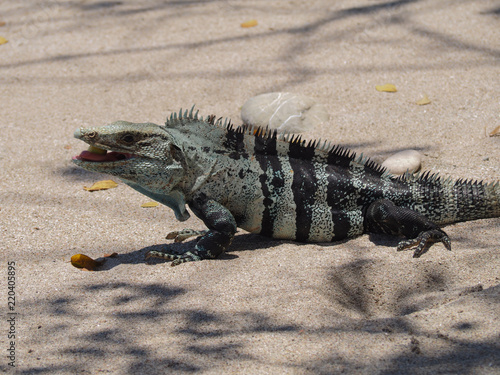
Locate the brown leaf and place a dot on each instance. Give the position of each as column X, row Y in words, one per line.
column 85, row 262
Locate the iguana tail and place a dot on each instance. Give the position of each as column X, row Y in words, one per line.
column 428, row 203
column 446, row 201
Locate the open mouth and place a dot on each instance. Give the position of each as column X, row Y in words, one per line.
column 94, row 154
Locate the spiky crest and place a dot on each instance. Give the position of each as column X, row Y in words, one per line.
column 428, row 178
column 336, row 151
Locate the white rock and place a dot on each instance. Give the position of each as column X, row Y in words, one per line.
column 284, row 111
column 400, row 162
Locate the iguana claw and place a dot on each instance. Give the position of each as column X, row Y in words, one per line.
column 181, row 235
column 424, row 241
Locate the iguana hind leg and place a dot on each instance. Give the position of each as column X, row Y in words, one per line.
column 383, row 216
column 221, row 229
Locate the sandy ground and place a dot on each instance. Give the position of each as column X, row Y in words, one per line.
column 266, row 306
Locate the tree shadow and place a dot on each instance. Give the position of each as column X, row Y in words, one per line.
column 117, row 10
column 242, row 242
column 493, row 12
column 193, row 339
column 191, row 328
column 255, row 242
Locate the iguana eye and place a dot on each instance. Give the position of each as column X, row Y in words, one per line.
column 128, row 138
column 175, row 152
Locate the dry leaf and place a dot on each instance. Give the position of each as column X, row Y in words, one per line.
column 250, row 23
column 85, row 262
column 425, row 100
column 149, row 204
column 3, row 40
column 102, row 185
column 388, row 87
column 2, row 23
column 495, row 132
column 97, row 150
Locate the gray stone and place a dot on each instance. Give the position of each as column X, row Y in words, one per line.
column 400, row 162
column 284, row 111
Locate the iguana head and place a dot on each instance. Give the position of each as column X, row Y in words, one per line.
column 144, row 156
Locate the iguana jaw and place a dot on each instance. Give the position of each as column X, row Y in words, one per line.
column 94, row 156
column 107, row 158
column 138, row 154
column 110, row 161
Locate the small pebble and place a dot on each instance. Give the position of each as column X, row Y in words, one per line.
column 284, row 111
column 400, row 162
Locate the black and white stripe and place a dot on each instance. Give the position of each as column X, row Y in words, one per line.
column 316, row 193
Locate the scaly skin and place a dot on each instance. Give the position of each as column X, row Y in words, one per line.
column 277, row 185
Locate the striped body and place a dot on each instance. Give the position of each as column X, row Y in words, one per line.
column 277, row 185
column 287, row 190
column 281, row 187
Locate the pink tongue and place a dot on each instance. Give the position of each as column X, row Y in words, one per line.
column 110, row 156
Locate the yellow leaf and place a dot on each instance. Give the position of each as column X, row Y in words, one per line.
column 149, row 204
column 425, row 100
column 84, row 261
column 495, row 132
column 102, row 185
column 97, row 150
column 3, row 40
column 250, row 23
column 388, row 87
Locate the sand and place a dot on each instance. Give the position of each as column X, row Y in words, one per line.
column 265, row 307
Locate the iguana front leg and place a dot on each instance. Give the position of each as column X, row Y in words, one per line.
column 221, row 229
column 383, row 216
column 182, row 235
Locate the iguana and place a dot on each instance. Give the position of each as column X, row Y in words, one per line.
column 276, row 185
